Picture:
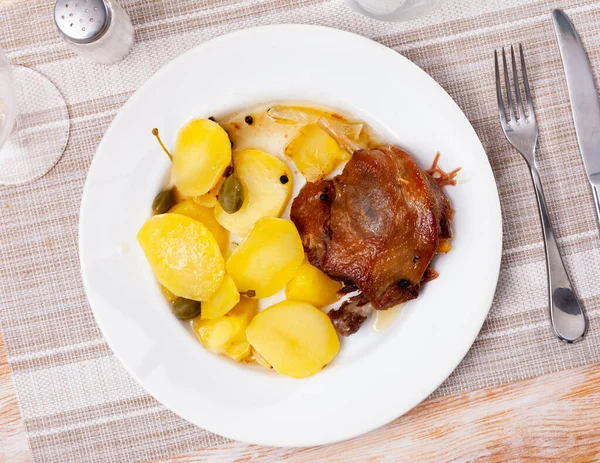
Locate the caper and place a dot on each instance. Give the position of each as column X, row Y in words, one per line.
column 163, row 201
column 231, row 194
column 186, row 309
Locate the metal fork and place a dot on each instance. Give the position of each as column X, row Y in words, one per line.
column 566, row 312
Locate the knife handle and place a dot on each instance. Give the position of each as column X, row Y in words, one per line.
column 597, row 204
column 566, row 312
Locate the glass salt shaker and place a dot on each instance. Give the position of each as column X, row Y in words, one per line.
column 99, row 30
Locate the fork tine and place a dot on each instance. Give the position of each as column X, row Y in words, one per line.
column 516, row 84
column 526, row 84
column 511, row 109
column 499, row 91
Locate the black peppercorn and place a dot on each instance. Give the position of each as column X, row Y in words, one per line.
column 248, row 120
column 324, row 197
column 404, row 284
column 284, row 179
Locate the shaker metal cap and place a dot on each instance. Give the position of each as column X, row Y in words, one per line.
column 82, row 21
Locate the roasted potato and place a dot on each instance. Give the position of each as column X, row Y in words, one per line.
column 183, row 254
column 225, row 298
column 267, row 183
column 206, row 215
column 296, row 338
column 202, row 153
column 267, row 259
column 226, row 335
column 309, row 284
column 314, row 152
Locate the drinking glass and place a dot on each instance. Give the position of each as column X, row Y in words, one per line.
column 394, row 10
column 34, row 124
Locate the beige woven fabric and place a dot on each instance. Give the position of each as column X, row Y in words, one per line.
column 77, row 401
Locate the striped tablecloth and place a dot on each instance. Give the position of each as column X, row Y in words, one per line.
column 77, row 401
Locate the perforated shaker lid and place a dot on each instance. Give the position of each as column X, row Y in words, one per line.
column 82, row 21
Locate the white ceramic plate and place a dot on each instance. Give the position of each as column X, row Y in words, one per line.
column 376, row 377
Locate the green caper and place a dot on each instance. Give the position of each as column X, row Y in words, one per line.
column 186, row 309
column 163, row 201
column 231, row 194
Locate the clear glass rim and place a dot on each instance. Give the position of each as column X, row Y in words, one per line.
column 52, row 154
column 7, row 99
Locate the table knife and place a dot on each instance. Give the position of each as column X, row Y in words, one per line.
column 584, row 99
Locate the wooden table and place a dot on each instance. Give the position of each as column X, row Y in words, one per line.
column 553, row 417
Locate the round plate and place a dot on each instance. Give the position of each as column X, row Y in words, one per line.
column 376, row 377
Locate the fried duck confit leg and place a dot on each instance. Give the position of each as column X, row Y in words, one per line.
column 376, row 226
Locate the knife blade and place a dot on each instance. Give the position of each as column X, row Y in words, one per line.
column 585, row 104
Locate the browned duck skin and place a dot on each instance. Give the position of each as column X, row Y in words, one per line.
column 376, row 226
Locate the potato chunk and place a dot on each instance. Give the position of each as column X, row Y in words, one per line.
column 183, row 254
column 267, row 259
column 314, row 152
column 222, row 301
column 227, row 334
column 206, row 215
column 296, row 338
column 309, row 284
column 267, row 189
column 202, row 152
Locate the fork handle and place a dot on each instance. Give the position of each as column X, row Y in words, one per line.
column 566, row 312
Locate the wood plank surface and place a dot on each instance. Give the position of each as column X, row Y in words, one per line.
column 13, row 439
column 551, row 418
